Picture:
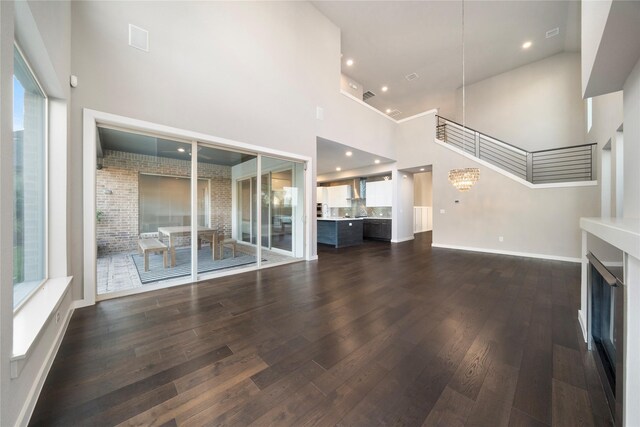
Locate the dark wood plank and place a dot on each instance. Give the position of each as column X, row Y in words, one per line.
column 400, row 334
column 451, row 410
column 567, row 366
column 570, row 406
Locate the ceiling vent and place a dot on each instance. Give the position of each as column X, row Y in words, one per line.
column 138, row 38
column 411, row 76
column 394, row 113
column 368, row 94
column 552, row 33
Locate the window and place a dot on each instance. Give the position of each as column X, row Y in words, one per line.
column 589, row 114
column 166, row 201
column 29, row 177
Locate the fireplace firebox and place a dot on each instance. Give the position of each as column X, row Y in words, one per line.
column 606, row 328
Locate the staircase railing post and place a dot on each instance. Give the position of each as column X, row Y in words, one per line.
column 530, row 167
column 594, row 156
column 477, row 144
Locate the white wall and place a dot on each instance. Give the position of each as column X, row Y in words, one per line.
column 423, row 189
column 346, row 84
column 594, row 16
column 535, row 107
column 402, row 209
column 248, row 71
column 607, row 118
column 7, row 406
column 631, row 202
column 43, row 31
column 534, row 221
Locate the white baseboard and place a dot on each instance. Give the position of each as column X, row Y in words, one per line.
column 582, row 318
column 405, row 239
column 512, row 253
column 312, row 258
column 36, row 388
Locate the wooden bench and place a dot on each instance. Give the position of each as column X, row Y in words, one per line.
column 154, row 246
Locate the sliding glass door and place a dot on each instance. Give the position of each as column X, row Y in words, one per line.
column 283, row 207
column 164, row 218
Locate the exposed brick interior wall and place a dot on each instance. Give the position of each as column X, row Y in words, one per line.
column 117, row 196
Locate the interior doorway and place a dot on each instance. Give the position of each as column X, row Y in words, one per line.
column 423, row 200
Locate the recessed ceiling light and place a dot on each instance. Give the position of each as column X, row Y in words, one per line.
column 388, row 110
column 349, row 153
column 349, row 62
column 384, row 88
column 181, row 150
column 526, row 45
column 376, row 161
column 421, row 169
column 338, row 168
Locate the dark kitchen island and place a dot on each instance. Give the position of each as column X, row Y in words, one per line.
column 340, row 232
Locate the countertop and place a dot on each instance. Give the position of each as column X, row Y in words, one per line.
column 339, row 219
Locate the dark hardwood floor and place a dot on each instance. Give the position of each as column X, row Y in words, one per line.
column 378, row 334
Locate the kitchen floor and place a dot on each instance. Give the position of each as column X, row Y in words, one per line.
column 377, row 334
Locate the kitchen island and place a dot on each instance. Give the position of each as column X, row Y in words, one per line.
column 340, row 232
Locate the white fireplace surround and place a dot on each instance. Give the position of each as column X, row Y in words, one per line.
column 624, row 234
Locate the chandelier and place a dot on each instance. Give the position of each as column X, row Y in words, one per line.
column 463, row 179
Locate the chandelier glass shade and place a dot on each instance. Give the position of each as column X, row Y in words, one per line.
column 463, row 179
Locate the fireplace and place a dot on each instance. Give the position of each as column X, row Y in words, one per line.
column 606, row 327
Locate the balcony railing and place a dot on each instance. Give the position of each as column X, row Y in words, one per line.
column 565, row 164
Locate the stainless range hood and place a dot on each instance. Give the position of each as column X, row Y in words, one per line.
column 359, row 189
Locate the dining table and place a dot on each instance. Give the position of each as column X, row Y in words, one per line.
column 204, row 233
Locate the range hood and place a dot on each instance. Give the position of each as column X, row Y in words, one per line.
column 358, row 189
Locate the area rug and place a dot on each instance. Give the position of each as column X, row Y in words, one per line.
column 157, row 272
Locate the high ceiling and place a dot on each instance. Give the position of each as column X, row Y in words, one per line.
column 332, row 155
column 388, row 40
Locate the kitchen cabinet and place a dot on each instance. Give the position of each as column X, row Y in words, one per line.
column 340, row 232
column 377, row 229
column 321, row 195
column 338, row 196
column 379, row 194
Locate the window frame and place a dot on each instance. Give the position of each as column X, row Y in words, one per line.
column 31, row 293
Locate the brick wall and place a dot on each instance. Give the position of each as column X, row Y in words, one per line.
column 117, row 196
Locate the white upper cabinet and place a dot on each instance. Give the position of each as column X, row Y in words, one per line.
column 338, row 196
column 321, row 194
column 379, row 194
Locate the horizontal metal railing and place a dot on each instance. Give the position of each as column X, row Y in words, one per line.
column 566, row 164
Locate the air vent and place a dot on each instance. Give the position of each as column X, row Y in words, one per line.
column 138, row 38
column 394, row 113
column 552, row 33
column 368, row 94
column 411, row 76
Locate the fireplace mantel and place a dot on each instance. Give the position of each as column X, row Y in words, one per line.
column 623, row 233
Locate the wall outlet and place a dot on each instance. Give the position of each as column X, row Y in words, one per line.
column 500, row 239
column 57, row 317
column 441, row 211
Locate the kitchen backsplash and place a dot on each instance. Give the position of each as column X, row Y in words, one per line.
column 361, row 210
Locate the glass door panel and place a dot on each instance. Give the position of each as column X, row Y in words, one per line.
column 282, row 209
column 226, row 231
column 265, row 197
column 143, row 211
